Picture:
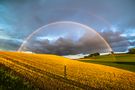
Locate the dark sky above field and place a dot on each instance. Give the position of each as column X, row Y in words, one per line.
column 113, row 19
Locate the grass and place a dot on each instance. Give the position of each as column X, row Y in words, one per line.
column 10, row 81
column 47, row 71
column 122, row 61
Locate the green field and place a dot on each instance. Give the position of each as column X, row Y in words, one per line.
column 123, row 61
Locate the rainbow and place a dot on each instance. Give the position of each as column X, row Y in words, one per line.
column 63, row 22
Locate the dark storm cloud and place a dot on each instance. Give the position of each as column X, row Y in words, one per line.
column 88, row 43
column 31, row 14
column 66, row 47
column 19, row 18
column 117, row 42
column 9, row 44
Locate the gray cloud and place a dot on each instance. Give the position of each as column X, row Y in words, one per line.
column 88, row 43
column 12, row 45
column 117, row 42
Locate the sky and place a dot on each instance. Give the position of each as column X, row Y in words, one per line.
column 114, row 20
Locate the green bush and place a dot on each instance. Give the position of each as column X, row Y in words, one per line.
column 92, row 55
column 131, row 51
column 8, row 81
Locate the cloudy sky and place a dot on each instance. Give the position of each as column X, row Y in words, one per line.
column 113, row 19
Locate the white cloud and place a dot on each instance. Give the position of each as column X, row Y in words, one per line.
column 123, row 35
column 76, row 56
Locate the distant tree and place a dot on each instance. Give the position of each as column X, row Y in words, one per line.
column 92, row 55
column 131, row 51
column 95, row 54
column 112, row 52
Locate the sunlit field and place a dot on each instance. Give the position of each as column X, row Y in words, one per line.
column 123, row 61
column 55, row 72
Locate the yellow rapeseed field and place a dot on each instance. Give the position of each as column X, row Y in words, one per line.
column 56, row 72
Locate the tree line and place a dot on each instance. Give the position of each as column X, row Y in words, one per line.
column 130, row 51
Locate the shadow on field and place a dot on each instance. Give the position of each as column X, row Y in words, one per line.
column 130, row 66
column 107, row 62
column 127, row 63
